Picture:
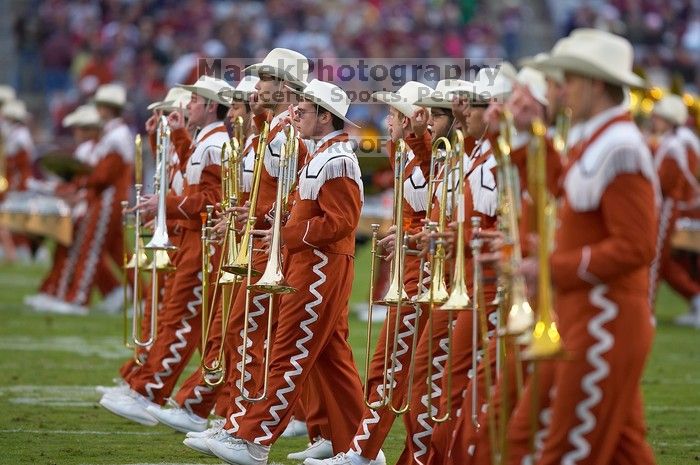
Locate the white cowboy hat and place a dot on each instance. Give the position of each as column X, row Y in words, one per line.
column 244, row 89
column 490, row 85
column 110, row 94
column 15, row 110
column 536, row 61
column 535, row 82
column 442, row 96
column 596, row 54
column 175, row 98
column 84, row 115
column 404, row 99
column 671, row 108
column 285, row 64
column 210, row 88
column 7, row 93
column 327, row 96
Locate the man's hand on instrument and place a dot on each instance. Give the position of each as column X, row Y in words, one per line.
column 495, row 239
column 150, row 224
column 148, row 205
column 240, row 214
column 265, row 237
column 460, row 107
column 387, row 243
column 524, row 108
column 419, row 122
column 530, row 271
column 152, row 122
column 176, row 119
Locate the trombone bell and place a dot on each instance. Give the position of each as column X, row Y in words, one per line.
column 545, row 343
column 162, row 261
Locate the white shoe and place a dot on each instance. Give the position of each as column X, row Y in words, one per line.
column 122, row 388
column 320, row 449
column 132, row 407
column 113, row 301
column 295, row 428
column 199, row 443
column 690, row 319
column 351, row 458
column 214, row 427
column 238, row 451
column 178, row 419
column 65, row 308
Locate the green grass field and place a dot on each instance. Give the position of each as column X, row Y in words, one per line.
column 50, row 365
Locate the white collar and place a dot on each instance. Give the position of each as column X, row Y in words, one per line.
column 584, row 130
column 206, row 129
column 328, row 136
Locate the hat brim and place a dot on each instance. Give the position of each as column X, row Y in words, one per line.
column 206, row 93
column 476, row 94
column 323, row 104
column 394, row 100
column 273, row 71
column 433, row 102
column 576, row 65
column 158, row 105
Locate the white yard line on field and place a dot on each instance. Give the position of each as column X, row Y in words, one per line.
column 110, row 348
column 81, row 432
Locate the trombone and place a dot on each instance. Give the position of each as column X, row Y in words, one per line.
column 160, row 239
column 545, row 341
column 272, row 280
column 215, row 374
column 396, row 295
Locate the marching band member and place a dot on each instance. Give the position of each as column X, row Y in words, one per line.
column 674, row 158
column 106, row 186
column 86, row 125
column 605, row 242
column 195, row 399
column 18, row 153
column 279, row 71
column 179, row 327
column 312, row 327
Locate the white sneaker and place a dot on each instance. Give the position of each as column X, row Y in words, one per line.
column 319, row 449
column 351, row 458
column 132, row 407
column 65, row 308
column 238, row 451
column 690, row 319
column 295, row 428
column 178, row 419
column 214, row 427
column 122, row 388
column 199, row 443
column 113, row 301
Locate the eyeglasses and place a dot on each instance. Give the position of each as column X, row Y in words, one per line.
column 298, row 113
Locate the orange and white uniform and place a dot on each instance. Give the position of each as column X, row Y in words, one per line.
column 107, row 185
column 19, row 150
column 604, row 246
column 312, row 326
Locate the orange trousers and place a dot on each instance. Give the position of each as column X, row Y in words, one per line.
column 312, row 331
column 103, row 238
column 180, row 326
column 376, row 424
column 596, row 414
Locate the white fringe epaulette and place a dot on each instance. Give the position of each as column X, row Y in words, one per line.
column 336, row 161
column 117, row 140
column 671, row 146
column 415, row 190
column 206, row 153
column 483, row 185
column 19, row 138
column 272, row 154
column 85, row 152
column 689, row 138
column 619, row 150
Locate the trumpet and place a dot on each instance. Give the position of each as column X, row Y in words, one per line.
column 545, row 341
column 4, row 182
column 241, row 265
column 561, row 133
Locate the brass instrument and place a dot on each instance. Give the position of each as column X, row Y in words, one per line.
column 4, row 182
column 396, row 295
column 520, row 315
column 215, row 374
column 241, row 265
column 160, row 239
column 272, row 280
column 545, row 341
column 561, row 134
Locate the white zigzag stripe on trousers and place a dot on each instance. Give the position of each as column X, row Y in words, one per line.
column 198, row 399
column 73, row 255
column 664, row 221
column 422, row 418
column 174, row 348
column 303, row 351
column 252, row 327
column 594, row 356
column 367, row 422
